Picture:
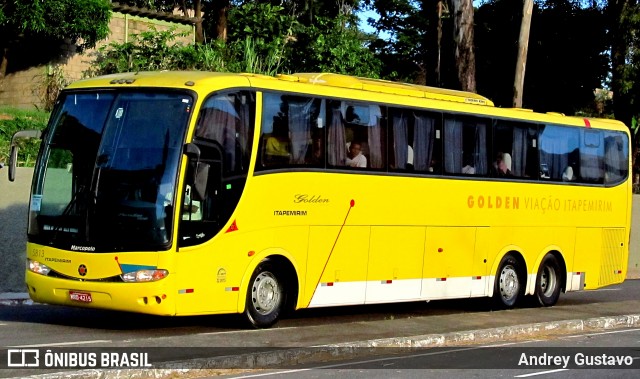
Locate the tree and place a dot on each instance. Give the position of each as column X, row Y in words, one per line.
column 566, row 61
column 404, row 54
column 624, row 23
column 435, row 11
column 31, row 24
column 523, row 46
column 464, row 45
column 332, row 45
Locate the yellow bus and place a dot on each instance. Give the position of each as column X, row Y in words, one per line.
column 191, row 193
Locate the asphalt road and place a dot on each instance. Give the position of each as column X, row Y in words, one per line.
column 569, row 357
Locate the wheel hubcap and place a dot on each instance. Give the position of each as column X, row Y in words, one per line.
column 265, row 293
column 548, row 281
column 509, row 284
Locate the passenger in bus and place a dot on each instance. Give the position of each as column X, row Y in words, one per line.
column 567, row 175
column 355, row 158
column 435, row 167
column 315, row 154
column 277, row 146
column 468, row 165
column 502, row 165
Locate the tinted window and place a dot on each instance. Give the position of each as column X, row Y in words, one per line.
column 514, row 150
column 293, row 131
column 616, row 157
column 559, row 153
column 465, row 145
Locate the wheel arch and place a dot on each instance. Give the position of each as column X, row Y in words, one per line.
column 282, row 259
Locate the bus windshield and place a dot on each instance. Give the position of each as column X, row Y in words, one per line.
column 107, row 172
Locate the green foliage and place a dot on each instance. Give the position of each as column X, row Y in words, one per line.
column 263, row 38
column 259, row 37
column 84, row 22
column 333, row 45
column 156, row 50
column 403, row 54
column 13, row 120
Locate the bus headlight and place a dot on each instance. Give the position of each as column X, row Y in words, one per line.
column 145, row 275
column 37, row 267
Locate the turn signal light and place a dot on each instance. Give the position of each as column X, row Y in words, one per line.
column 144, row 276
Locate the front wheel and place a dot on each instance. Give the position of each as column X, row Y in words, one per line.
column 509, row 286
column 548, row 281
column 265, row 296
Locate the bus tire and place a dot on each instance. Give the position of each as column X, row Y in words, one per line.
column 509, row 286
column 548, row 281
column 266, row 296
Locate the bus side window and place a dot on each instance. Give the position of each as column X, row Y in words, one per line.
column 292, row 132
column 465, row 145
column 592, row 148
column 616, row 157
column 515, row 144
column 559, row 150
column 356, row 135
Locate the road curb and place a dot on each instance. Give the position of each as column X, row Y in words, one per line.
column 280, row 358
column 15, row 298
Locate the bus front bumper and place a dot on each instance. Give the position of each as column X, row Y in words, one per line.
column 150, row 298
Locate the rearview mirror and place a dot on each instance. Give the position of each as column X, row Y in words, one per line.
column 13, row 155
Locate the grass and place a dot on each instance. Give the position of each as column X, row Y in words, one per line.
column 16, row 119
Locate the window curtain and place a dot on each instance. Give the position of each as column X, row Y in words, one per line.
column 400, row 141
column 374, row 137
column 480, row 153
column 300, row 129
column 336, row 149
column 519, row 151
column 423, row 136
column 218, row 123
column 453, row 146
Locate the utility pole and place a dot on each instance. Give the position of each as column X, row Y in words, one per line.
column 523, row 47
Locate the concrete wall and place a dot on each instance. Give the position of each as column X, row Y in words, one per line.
column 27, row 88
column 14, row 199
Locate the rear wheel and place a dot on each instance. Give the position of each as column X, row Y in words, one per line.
column 548, row 281
column 266, row 296
column 509, row 285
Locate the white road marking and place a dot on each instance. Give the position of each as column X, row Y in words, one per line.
column 63, row 344
column 541, row 373
column 355, row 363
column 246, row 331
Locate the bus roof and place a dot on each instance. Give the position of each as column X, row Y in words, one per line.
column 204, row 79
column 386, row 86
column 180, row 78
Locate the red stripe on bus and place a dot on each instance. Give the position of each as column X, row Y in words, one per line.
column 587, row 123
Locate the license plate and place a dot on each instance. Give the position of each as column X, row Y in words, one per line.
column 83, row 297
